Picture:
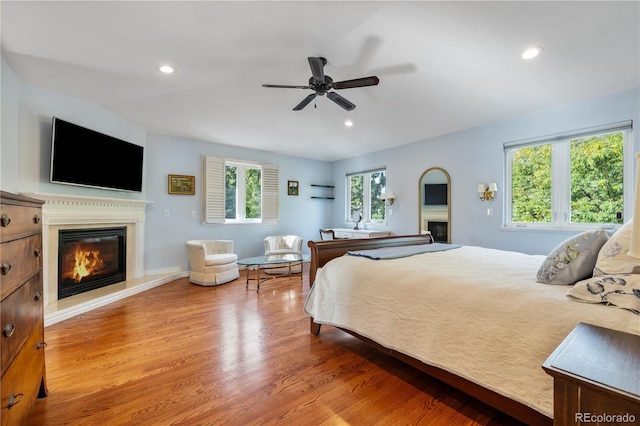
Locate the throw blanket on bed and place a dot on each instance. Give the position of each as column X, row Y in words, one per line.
column 402, row 251
column 622, row 290
column 476, row 312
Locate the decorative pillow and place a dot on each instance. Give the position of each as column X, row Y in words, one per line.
column 573, row 260
column 613, row 258
column 621, row 290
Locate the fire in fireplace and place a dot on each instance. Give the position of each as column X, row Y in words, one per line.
column 90, row 258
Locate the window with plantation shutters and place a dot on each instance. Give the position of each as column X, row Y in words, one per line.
column 239, row 191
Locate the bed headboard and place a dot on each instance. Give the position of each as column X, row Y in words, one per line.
column 324, row 251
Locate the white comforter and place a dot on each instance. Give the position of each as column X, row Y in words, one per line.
column 476, row 312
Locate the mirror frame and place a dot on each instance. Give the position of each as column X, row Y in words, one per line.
column 421, row 201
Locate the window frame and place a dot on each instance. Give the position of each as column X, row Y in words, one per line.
column 366, row 195
column 561, row 177
column 241, row 191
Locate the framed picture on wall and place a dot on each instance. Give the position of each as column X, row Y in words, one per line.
column 182, row 184
column 292, row 187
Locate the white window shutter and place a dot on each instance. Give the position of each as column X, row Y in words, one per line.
column 270, row 178
column 213, row 203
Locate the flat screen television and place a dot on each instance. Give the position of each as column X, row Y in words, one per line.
column 84, row 157
column 435, row 194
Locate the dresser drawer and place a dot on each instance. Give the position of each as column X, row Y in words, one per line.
column 342, row 234
column 20, row 260
column 19, row 313
column 19, row 222
column 22, row 382
column 358, row 235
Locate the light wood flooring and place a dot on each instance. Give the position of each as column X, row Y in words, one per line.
column 182, row 354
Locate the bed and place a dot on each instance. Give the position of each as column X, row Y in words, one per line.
column 473, row 317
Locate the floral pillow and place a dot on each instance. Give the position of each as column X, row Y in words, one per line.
column 613, row 258
column 621, row 290
column 574, row 259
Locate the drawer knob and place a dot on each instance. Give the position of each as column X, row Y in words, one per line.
column 5, row 219
column 36, row 219
column 14, row 399
column 41, row 345
column 38, row 296
column 5, row 268
column 37, row 252
column 8, row 330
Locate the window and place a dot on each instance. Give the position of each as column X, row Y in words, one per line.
column 569, row 180
column 363, row 193
column 239, row 191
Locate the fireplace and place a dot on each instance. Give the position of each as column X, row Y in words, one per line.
column 438, row 231
column 90, row 258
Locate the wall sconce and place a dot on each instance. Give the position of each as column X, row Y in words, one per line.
column 388, row 196
column 487, row 192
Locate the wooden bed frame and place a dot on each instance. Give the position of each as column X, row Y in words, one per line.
column 323, row 251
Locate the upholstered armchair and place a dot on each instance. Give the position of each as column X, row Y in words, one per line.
column 283, row 244
column 212, row 262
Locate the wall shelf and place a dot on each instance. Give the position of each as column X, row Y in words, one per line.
column 322, row 192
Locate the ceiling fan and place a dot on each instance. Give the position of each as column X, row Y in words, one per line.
column 321, row 84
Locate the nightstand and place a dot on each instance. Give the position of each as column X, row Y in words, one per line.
column 596, row 377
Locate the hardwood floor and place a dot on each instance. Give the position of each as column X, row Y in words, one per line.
column 182, row 354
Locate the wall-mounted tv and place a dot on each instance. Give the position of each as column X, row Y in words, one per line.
column 84, row 157
column 435, row 194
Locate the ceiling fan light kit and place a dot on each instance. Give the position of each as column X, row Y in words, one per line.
column 321, row 84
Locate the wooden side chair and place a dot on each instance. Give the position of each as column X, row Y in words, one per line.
column 327, row 234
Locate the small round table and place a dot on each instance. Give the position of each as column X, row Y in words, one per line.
column 272, row 261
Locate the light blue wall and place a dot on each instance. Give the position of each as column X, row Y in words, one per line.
column 299, row 215
column 25, row 152
column 476, row 156
column 9, row 134
column 470, row 157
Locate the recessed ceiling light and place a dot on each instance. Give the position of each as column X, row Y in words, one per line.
column 348, row 123
column 166, row 69
column 531, row 52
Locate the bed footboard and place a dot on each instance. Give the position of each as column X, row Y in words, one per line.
column 324, row 251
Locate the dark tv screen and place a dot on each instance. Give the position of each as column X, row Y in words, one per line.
column 84, row 157
column 435, row 194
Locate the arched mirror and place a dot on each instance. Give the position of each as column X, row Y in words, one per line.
column 434, row 209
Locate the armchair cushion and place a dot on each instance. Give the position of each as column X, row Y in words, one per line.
column 282, row 244
column 212, row 261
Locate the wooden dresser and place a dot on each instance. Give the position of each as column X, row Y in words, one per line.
column 21, row 310
column 359, row 233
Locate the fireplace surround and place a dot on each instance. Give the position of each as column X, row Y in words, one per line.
column 62, row 212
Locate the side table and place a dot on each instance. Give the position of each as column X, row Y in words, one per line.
column 596, row 374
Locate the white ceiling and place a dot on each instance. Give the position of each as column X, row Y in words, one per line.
column 443, row 66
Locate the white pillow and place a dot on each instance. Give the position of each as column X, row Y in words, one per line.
column 574, row 259
column 613, row 258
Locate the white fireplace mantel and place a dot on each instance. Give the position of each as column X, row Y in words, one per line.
column 73, row 211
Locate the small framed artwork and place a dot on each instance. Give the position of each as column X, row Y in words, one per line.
column 292, row 187
column 182, row 184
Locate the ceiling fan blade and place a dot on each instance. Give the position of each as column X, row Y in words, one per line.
column 305, row 102
column 317, row 68
column 281, row 86
column 340, row 101
column 358, row 82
